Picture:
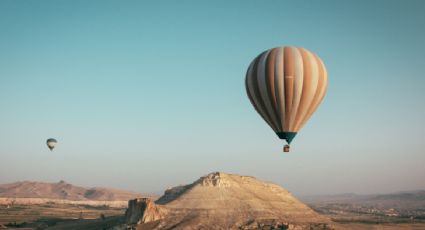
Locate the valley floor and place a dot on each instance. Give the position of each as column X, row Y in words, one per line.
column 68, row 216
column 60, row 216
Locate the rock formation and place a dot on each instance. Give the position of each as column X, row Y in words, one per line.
column 225, row 201
column 143, row 210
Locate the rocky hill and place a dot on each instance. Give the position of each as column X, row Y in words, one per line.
column 62, row 192
column 225, row 201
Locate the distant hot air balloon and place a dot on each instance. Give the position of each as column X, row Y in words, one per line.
column 285, row 86
column 51, row 143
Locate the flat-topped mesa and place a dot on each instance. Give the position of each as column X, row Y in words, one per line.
column 225, row 201
column 220, row 179
column 215, row 179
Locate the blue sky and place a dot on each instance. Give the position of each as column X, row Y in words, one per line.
column 146, row 95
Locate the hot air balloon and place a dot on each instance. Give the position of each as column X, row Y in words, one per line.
column 286, row 85
column 51, row 142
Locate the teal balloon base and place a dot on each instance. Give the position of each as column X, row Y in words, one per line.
column 288, row 136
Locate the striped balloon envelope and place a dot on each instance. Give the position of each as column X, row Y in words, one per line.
column 286, row 85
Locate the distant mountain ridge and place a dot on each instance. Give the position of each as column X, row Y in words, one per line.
column 64, row 191
column 402, row 200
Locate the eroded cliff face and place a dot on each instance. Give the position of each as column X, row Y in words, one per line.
column 143, row 210
column 225, row 201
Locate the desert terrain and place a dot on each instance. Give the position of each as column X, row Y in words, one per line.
column 214, row 201
column 40, row 205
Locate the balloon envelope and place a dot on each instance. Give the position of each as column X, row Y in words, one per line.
column 286, row 85
column 51, row 143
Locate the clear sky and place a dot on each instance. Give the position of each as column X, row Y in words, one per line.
column 144, row 95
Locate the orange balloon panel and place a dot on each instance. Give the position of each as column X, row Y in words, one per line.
column 286, row 86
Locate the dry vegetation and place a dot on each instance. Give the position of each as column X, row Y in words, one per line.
column 52, row 216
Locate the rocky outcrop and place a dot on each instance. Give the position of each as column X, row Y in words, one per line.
column 216, row 179
column 143, row 210
column 225, row 201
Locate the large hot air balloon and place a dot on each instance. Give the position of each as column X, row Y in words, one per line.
column 285, row 86
column 51, row 142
